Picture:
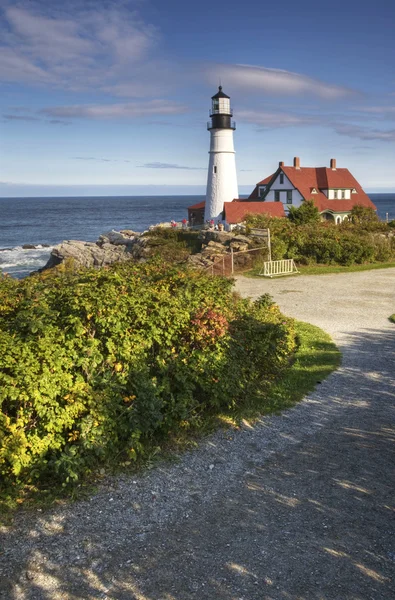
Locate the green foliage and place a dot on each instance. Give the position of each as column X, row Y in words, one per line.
column 97, row 365
column 366, row 217
column 305, row 214
column 392, row 318
column 181, row 238
column 328, row 243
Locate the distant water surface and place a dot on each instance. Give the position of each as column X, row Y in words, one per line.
column 51, row 220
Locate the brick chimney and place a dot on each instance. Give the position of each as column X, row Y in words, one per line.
column 281, row 164
column 297, row 162
column 333, row 164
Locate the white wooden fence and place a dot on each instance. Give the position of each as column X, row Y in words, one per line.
column 275, row 268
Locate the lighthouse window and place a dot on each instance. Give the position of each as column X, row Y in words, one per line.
column 215, row 169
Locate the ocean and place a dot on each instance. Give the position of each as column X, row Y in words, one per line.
column 45, row 222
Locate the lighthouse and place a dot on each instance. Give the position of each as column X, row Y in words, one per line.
column 221, row 178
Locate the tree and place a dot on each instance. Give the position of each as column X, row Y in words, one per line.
column 306, row 213
column 363, row 215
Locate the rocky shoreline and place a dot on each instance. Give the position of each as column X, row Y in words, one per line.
column 124, row 245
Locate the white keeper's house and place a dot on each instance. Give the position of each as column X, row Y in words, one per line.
column 334, row 191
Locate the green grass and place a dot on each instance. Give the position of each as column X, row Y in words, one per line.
column 392, row 318
column 328, row 269
column 316, row 358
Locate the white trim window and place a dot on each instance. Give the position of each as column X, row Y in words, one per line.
column 335, row 194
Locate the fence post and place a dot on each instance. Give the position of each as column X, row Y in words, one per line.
column 269, row 245
column 232, row 264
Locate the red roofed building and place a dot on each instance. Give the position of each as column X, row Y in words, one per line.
column 334, row 191
column 235, row 212
column 196, row 213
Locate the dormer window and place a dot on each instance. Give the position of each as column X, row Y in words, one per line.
column 261, row 191
column 314, row 191
column 343, row 194
column 335, row 194
column 353, row 191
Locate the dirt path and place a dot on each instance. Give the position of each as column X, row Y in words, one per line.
column 301, row 507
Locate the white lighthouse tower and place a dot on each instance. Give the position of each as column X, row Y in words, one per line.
column 221, row 179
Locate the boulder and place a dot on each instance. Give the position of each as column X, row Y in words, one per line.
column 238, row 246
column 87, row 254
column 215, row 247
column 118, row 238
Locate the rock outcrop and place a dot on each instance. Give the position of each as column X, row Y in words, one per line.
column 111, row 247
column 120, row 246
column 220, row 243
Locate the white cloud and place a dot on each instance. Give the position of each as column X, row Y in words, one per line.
column 275, row 119
column 20, row 118
column 116, row 111
column 272, row 119
column 79, row 49
column 364, row 133
column 250, row 78
column 160, row 165
column 93, row 158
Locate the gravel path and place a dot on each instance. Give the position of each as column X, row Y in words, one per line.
column 299, row 507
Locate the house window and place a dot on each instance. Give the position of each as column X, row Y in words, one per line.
column 277, row 196
column 354, row 191
column 335, row 194
column 215, row 169
column 343, row 194
column 314, row 191
column 262, row 190
column 289, row 197
column 282, row 178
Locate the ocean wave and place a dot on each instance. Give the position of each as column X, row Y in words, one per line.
column 20, row 261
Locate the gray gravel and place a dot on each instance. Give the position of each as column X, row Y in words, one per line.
column 298, row 507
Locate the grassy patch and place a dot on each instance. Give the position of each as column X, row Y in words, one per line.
column 316, row 358
column 328, row 269
column 392, row 318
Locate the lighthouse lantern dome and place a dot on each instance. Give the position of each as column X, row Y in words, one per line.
column 220, row 103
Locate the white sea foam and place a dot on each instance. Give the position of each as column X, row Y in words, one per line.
column 20, row 262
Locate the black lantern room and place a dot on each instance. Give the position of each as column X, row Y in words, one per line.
column 221, row 112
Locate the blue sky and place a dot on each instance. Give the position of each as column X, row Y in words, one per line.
column 113, row 96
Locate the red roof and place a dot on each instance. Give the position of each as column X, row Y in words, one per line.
column 235, row 212
column 265, row 181
column 255, row 192
column 198, row 205
column 322, row 178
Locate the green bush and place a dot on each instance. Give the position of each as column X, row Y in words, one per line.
column 305, row 214
column 182, row 238
column 97, row 365
column 326, row 243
